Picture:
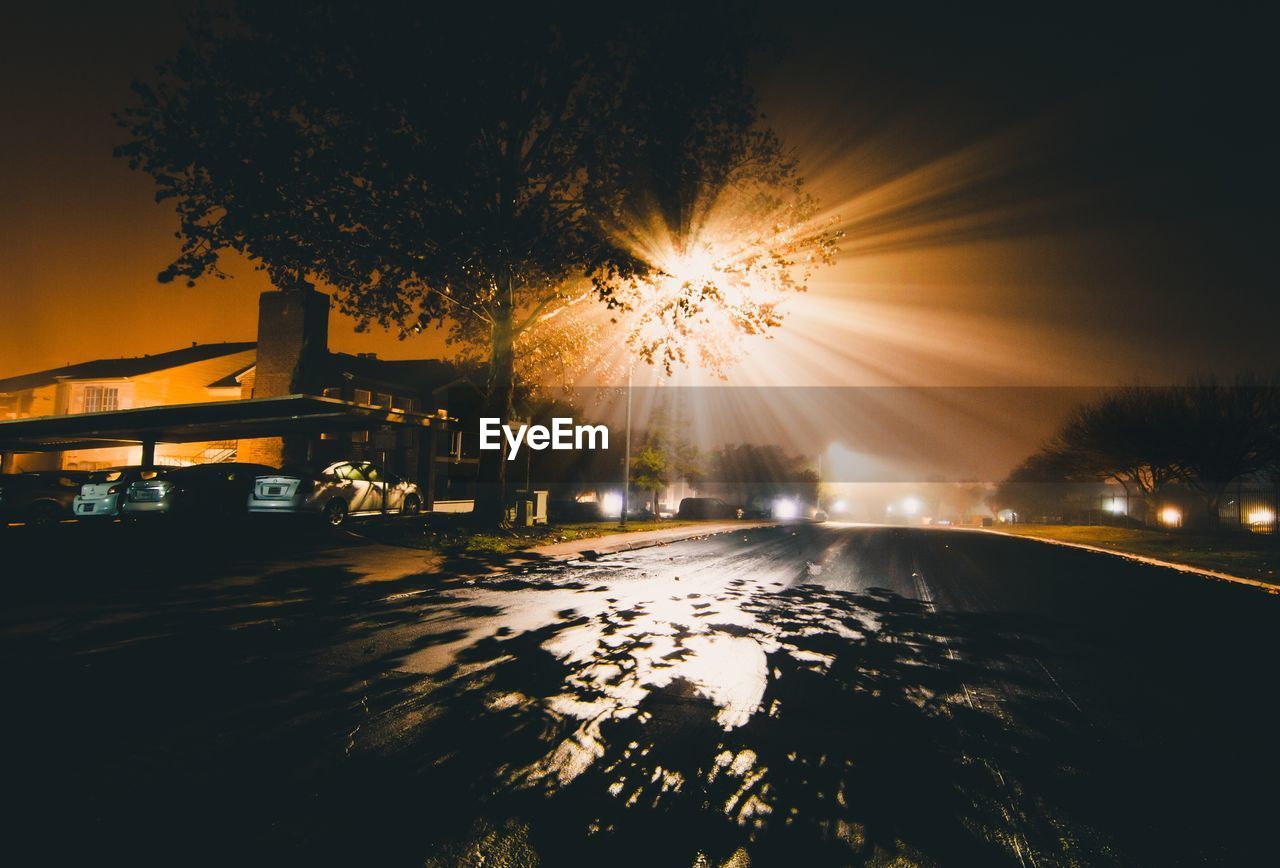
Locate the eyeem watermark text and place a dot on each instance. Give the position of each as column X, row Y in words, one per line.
column 562, row 434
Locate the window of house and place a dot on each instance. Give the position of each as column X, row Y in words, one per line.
column 402, row 403
column 359, row 436
column 363, row 396
column 384, row 400
column 100, row 399
column 332, row 392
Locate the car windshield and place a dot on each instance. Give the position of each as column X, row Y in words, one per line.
column 115, row 474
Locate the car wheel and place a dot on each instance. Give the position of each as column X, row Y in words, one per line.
column 335, row 513
column 45, row 514
column 412, row 505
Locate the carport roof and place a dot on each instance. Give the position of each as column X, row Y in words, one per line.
column 212, row 420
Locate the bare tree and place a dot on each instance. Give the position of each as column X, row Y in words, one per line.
column 1130, row 435
column 1226, row 432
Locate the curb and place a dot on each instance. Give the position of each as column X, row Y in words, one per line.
column 694, row 532
column 1141, row 559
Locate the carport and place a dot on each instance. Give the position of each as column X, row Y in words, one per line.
column 214, row 420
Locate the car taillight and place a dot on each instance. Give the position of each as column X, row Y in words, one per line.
column 115, row 489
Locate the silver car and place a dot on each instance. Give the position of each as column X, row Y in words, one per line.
column 335, row 492
column 197, row 491
column 105, row 491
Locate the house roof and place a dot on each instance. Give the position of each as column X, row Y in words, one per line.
column 232, row 380
column 208, row 420
column 418, row 375
column 112, row 368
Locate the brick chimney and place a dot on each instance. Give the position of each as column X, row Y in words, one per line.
column 293, row 344
column 293, row 340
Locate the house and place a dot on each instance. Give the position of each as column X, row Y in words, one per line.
column 198, row 373
column 372, row 409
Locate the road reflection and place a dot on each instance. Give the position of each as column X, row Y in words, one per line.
column 677, row 718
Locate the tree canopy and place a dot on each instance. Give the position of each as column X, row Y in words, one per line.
column 478, row 167
column 1203, row 435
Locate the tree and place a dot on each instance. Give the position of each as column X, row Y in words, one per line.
column 468, row 166
column 1203, row 435
column 1044, row 486
column 664, row 455
column 1226, row 432
column 753, row 474
column 1129, row 435
column 651, row 472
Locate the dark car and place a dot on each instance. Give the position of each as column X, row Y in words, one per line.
column 707, row 507
column 201, row 491
column 568, row 510
column 41, row 497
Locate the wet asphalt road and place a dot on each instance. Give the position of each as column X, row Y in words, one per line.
column 796, row 695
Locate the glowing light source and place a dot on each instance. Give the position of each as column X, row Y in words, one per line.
column 785, row 508
column 1262, row 516
column 911, row 505
column 1171, row 516
column 1116, row 506
column 840, row 506
column 611, row 504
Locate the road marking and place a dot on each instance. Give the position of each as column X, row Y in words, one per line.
column 1021, row 846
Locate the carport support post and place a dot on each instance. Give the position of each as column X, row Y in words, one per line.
column 148, row 452
column 8, row 462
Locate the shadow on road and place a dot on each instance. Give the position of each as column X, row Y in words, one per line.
column 801, row 725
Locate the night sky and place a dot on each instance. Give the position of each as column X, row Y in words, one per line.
column 1079, row 198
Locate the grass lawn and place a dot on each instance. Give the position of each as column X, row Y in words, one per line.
column 1249, row 555
column 451, row 536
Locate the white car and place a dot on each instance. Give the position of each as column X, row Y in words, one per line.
column 106, row 490
column 334, row 492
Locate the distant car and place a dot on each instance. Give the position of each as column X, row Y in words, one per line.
column 104, row 491
column 334, row 492
column 572, row 510
column 201, row 491
column 40, row 497
column 707, row 507
column 819, row 515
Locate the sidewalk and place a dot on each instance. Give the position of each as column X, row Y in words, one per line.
column 594, row 547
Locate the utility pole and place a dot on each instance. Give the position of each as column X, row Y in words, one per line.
column 626, row 454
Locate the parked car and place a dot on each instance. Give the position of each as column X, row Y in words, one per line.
column 201, row 491
column 569, row 510
column 40, row 497
column 334, row 492
column 104, row 491
column 707, row 507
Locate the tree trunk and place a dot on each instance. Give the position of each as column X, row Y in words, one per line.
column 1214, row 502
column 490, row 505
